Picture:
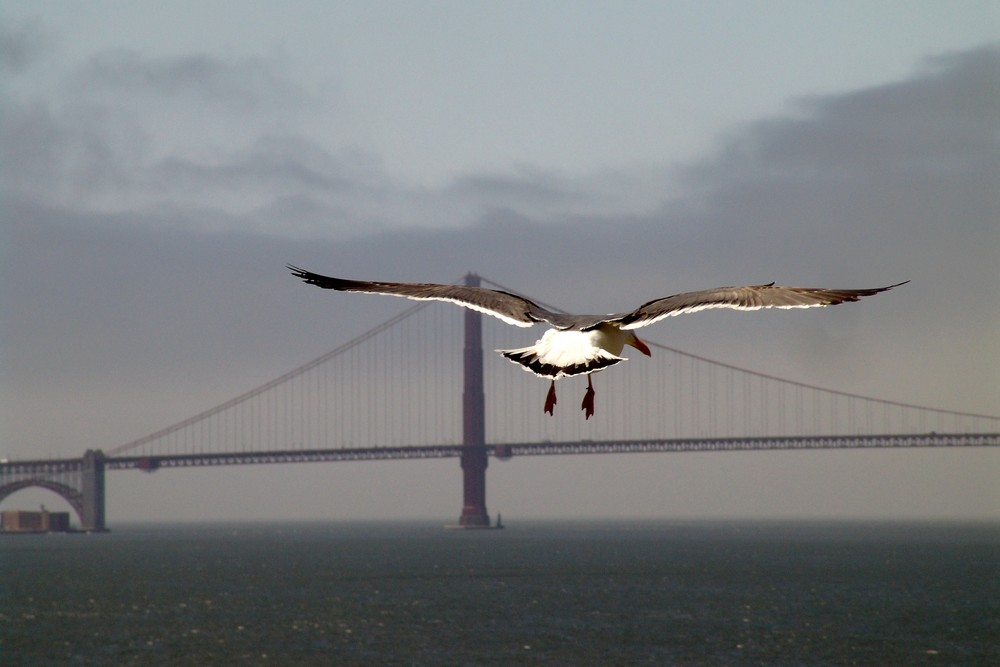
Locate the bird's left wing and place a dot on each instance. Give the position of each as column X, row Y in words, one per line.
column 510, row 308
column 751, row 297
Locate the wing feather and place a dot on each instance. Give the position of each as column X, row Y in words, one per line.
column 508, row 307
column 753, row 297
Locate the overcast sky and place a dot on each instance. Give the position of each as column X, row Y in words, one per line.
column 163, row 161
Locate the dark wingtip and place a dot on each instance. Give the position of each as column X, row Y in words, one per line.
column 886, row 289
column 325, row 282
column 297, row 272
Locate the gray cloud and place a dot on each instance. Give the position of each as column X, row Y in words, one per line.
column 241, row 85
column 21, row 46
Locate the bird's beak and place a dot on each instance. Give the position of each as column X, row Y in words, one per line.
column 639, row 345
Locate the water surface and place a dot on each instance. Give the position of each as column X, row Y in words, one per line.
column 534, row 594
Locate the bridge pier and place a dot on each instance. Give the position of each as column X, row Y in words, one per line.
column 80, row 482
column 474, row 458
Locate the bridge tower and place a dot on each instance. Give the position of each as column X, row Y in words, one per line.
column 92, row 488
column 473, row 459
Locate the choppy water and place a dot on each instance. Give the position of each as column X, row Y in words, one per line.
column 534, row 594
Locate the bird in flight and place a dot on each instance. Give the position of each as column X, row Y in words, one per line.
column 585, row 344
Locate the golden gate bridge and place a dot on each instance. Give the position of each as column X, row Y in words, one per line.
column 402, row 391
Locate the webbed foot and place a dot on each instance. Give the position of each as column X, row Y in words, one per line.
column 550, row 398
column 588, row 400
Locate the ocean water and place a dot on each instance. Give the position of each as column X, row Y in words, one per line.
column 625, row 593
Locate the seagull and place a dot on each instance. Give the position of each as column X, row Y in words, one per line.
column 585, row 344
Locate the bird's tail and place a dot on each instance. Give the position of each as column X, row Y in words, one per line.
column 531, row 361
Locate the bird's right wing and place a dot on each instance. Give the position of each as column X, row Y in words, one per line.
column 508, row 307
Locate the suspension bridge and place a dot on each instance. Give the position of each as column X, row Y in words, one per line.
column 401, row 391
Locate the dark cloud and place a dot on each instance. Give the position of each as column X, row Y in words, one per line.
column 272, row 170
column 938, row 121
column 875, row 172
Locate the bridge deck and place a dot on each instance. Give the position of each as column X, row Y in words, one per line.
column 507, row 450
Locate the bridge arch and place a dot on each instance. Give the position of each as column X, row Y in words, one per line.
column 73, row 496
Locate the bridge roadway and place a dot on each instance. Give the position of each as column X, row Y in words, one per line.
column 507, row 450
column 81, row 481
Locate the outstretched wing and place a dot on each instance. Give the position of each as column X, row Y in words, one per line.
column 752, row 297
column 510, row 308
